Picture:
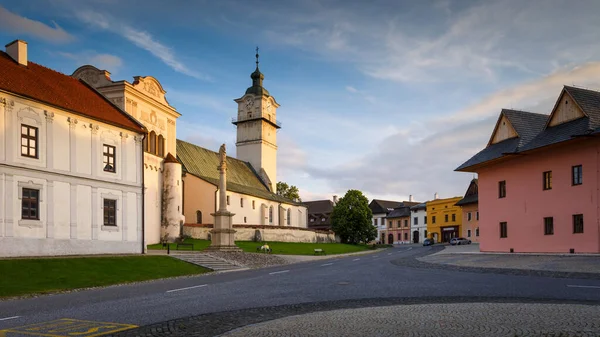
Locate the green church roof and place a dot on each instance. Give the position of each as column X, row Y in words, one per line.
column 241, row 177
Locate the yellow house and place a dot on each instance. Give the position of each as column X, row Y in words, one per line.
column 444, row 219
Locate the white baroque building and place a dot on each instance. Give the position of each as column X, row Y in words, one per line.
column 144, row 99
column 418, row 220
column 70, row 165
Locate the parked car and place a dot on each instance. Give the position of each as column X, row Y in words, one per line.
column 460, row 241
column 428, row 242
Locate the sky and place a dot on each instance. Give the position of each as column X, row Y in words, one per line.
column 387, row 97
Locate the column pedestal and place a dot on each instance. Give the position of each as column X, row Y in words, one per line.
column 223, row 235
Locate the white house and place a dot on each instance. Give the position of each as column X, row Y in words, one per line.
column 145, row 100
column 418, row 223
column 70, row 165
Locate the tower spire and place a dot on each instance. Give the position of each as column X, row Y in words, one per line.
column 257, row 57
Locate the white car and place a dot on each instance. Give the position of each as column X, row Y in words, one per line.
column 460, row 241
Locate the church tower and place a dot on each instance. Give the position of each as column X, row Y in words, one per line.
column 257, row 129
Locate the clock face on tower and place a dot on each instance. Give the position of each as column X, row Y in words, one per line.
column 268, row 106
column 249, row 103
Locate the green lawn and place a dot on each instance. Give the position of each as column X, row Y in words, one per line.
column 198, row 245
column 301, row 248
column 35, row 276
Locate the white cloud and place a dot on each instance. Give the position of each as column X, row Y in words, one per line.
column 22, row 25
column 102, row 61
column 141, row 39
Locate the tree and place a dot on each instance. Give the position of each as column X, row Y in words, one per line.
column 351, row 218
column 288, row 191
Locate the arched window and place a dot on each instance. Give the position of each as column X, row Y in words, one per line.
column 198, row 216
column 152, row 141
column 289, row 216
column 161, row 146
column 146, row 142
column 271, row 214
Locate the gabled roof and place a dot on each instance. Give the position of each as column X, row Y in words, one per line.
column 241, row 177
column 378, row 206
column 472, row 194
column 53, row 88
column 400, row 212
column 319, row 206
column 534, row 131
column 417, row 207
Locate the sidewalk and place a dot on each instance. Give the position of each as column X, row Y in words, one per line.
column 469, row 256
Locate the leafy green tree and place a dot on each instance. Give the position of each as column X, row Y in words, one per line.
column 288, row 191
column 351, row 218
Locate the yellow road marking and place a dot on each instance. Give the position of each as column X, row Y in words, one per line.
column 67, row 327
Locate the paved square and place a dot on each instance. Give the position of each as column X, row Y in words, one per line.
column 66, row 327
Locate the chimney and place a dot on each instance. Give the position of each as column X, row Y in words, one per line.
column 410, row 198
column 435, row 196
column 335, row 200
column 18, row 51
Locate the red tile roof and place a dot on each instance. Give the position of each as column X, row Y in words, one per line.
column 49, row 86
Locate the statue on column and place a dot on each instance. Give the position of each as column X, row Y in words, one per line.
column 223, row 157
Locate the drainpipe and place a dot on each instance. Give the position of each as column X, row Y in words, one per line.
column 143, row 199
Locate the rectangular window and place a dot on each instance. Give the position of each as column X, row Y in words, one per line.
column 577, row 175
column 503, row 230
column 405, row 223
column 109, row 158
column 446, row 218
column 549, row 226
column 425, row 233
column 453, row 217
column 253, row 204
column 547, row 180
column 425, row 220
column 468, row 233
column 433, row 219
column 242, row 202
column 390, row 223
column 399, row 236
column 477, row 216
column 415, row 221
column 577, row 223
column 110, row 212
column 469, row 216
column 29, row 141
column 477, row 231
column 405, row 236
column 502, row 189
column 30, row 204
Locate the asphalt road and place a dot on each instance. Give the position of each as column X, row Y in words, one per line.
column 368, row 276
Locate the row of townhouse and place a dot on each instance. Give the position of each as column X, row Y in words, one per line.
column 539, row 187
column 437, row 219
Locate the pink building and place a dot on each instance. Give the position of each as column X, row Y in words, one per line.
column 539, row 188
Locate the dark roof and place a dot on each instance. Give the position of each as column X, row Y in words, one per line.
column 170, row 158
column 422, row 205
column 534, row 132
column 378, row 206
column 241, row 177
column 257, row 86
column 319, row 206
column 49, row 86
column 471, row 196
column 399, row 212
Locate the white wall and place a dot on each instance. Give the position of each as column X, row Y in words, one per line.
column 72, row 183
column 259, row 215
column 379, row 223
column 421, row 226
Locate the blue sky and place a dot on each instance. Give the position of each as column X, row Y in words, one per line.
column 383, row 96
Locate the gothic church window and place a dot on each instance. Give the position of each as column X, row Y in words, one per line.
column 198, row 216
column 152, row 142
column 271, row 214
column 289, row 216
column 161, row 146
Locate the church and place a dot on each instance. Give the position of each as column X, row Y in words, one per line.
column 115, row 178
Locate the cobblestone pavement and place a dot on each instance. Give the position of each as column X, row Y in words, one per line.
column 490, row 263
column 479, row 312
column 471, row 319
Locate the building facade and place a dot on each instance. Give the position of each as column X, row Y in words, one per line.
column 70, row 165
column 444, row 219
column 418, row 223
column 145, row 100
column 398, row 226
column 538, row 187
column 470, row 212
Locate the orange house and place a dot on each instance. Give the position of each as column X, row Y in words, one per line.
column 470, row 212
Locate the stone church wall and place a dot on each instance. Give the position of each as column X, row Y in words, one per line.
column 268, row 233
